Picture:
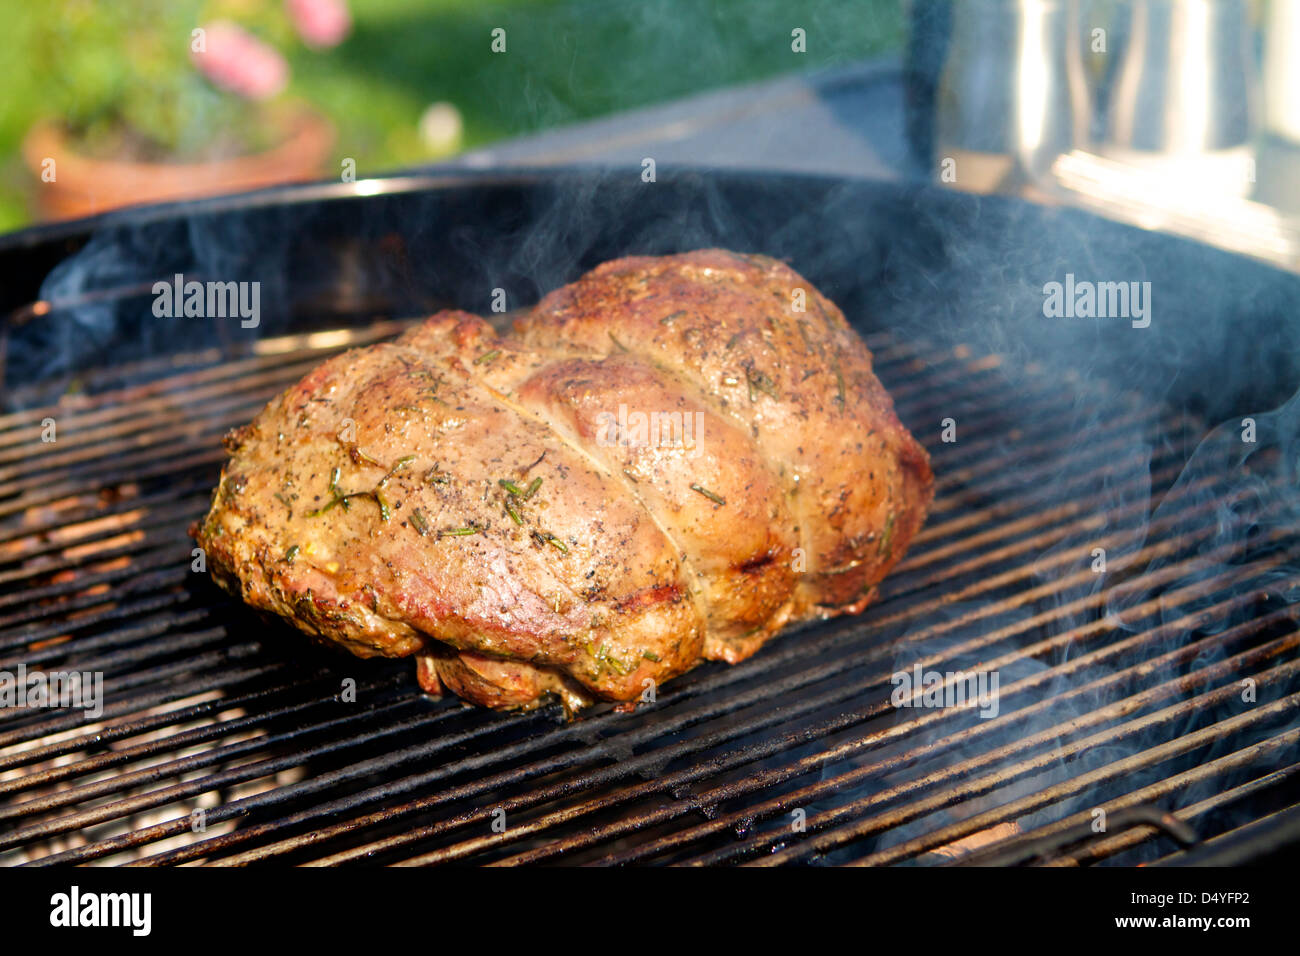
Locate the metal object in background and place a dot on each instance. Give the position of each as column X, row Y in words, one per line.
column 1186, row 81
column 1178, row 148
column 1012, row 95
column 1183, row 100
column 1146, row 196
column 1169, row 140
column 1282, row 70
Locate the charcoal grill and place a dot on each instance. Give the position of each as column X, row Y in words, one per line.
column 228, row 739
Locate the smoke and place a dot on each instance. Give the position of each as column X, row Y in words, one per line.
column 1087, row 433
column 99, row 302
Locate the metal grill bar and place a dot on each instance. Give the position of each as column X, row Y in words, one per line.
column 485, row 785
column 461, row 794
column 866, row 683
column 1183, row 744
column 998, row 575
column 1104, row 848
column 812, row 762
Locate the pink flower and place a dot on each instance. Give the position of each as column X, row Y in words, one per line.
column 235, row 60
column 320, row 23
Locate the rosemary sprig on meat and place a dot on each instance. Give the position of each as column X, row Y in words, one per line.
column 545, row 537
column 511, row 487
column 346, row 499
column 514, row 515
column 887, row 535
column 400, row 463
column 340, row 497
column 715, row 498
column 760, row 381
column 458, row 532
column 807, row 338
column 605, row 659
column 516, row 491
column 360, row 457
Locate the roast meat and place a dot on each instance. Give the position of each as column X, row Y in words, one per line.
column 666, row 461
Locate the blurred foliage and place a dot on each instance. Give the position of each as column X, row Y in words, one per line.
column 118, row 72
column 124, row 84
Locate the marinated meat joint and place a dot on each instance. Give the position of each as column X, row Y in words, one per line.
column 474, row 499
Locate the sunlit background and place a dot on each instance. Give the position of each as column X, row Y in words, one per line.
column 111, row 90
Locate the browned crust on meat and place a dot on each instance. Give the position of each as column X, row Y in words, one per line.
column 629, row 562
column 800, row 381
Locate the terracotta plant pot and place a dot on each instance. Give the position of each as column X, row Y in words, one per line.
column 82, row 186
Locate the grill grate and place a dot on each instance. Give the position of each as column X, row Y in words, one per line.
column 1120, row 691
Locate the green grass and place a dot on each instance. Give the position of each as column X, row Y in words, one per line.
column 565, row 61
